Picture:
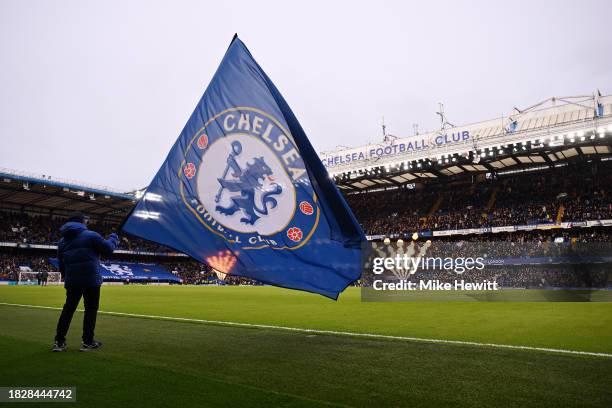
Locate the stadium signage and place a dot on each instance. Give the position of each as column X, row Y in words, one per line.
column 133, row 271
column 506, row 228
column 401, row 146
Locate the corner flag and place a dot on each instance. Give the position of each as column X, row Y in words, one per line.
column 244, row 191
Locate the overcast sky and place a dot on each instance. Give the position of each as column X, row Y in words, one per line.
column 99, row 91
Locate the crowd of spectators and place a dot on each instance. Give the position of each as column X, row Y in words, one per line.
column 550, row 276
column 521, row 244
column 24, row 228
column 524, row 276
column 194, row 273
column 189, row 271
column 515, row 245
column 11, row 263
column 378, row 211
column 578, row 258
column 573, row 194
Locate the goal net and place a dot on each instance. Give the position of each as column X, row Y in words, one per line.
column 31, row 278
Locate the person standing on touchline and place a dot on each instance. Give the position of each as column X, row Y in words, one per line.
column 78, row 254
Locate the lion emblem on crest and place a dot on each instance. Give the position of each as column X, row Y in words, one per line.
column 246, row 182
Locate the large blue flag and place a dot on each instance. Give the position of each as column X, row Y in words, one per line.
column 244, row 191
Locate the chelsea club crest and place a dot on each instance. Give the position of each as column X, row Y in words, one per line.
column 244, row 180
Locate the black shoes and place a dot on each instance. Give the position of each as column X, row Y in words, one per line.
column 94, row 345
column 59, row 346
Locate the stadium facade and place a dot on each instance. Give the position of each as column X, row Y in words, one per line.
column 572, row 126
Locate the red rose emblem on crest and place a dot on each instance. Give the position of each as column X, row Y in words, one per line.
column 294, row 234
column 306, row 208
column 203, row 141
column 189, row 170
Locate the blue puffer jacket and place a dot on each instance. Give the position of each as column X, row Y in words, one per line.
column 79, row 253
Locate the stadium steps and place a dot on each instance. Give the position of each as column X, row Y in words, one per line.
column 490, row 203
column 436, row 206
column 492, row 199
column 432, row 211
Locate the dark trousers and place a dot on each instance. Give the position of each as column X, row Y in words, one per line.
column 91, row 298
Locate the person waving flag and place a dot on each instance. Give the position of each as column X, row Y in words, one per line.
column 244, row 191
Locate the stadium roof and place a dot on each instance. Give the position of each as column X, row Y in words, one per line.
column 571, row 129
column 506, row 159
column 43, row 194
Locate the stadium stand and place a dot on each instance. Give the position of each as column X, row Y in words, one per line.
column 539, row 175
column 584, row 191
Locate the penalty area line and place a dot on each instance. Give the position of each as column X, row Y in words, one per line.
column 332, row 332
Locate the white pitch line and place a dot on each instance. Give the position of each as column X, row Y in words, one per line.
column 333, row 332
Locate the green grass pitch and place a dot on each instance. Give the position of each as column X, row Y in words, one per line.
column 159, row 363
